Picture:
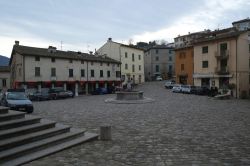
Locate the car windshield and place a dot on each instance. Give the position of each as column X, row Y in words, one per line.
column 16, row 96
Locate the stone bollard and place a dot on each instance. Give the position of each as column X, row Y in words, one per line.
column 105, row 133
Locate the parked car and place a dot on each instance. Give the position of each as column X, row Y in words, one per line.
column 57, row 93
column 158, row 78
column 177, row 88
column 169, row 84
column 187, row 89
column 17, row 101
column 39, row 96
column 100, row 91
column 69, row 93
column 194, row 89
column 202, row 90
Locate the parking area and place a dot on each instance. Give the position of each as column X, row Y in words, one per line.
column 176, row 129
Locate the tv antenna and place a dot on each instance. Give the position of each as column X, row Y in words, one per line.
column 61, row 45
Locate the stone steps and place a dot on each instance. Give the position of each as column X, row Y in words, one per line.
column 11, row 116
column 24, row 138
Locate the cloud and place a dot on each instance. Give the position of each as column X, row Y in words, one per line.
column 208, row 16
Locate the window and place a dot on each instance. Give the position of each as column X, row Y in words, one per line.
column 118, row 74
column 169, row 58
column 100, row 63
column 92, row 63
column 70, row 61
column 126, row 66
column 53, row 72
column 108, row 73
column 4, row 82
column 249, row 47
column 156, row 51
column 139, row 57
column 249, row 79
column 156, row 58
column 182, row 67
column 126, row 54
column 92, row 73
column 133, row 68
column 37, row 71
column 118, row 65
column 20, row 72
column 71, row 74
column 53, row 59
column 182, row 55
column 204, row 64
column 157, row 68
column 101, row 73
column 133, row 57
column 205, row 49
column 139, row 67
column 107, row 64
column 170, row 51
column 37, row 58
column 170, row 68
column 82, row 73
column 82, row 62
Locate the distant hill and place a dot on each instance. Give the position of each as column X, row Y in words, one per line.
column 4, row 61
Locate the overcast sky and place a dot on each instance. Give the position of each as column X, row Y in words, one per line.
column 83, row 25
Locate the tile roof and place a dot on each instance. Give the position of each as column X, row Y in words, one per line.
column 4, row 69
column 45, row 52
column 219, row 34
column 241, row 21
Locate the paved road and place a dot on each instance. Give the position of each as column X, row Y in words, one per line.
column 176, row 129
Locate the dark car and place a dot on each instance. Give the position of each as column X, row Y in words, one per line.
column 100, row 91
column 17, row 101
column 202, row 90
column 39, row 96
column 57, row 93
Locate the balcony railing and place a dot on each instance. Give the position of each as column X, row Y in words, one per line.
column 222, row 54
column 222, row 70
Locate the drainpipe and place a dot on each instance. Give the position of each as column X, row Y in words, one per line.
column 236, row 68
column 87, row 85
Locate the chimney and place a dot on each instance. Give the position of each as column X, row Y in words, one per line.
column 16, row 42
column 52, row 49
column 110, row 39
column 91, row 52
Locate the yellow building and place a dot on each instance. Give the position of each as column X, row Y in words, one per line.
column 221, row 59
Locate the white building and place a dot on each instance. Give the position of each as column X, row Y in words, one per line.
column 4, row 78
column 132, row 59
column 242, row 24
column 33, row 67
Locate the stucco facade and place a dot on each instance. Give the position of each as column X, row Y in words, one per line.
column 184, row 65
column 224, row 63
column 159, row 61
column 74, row 71
column 132, row 60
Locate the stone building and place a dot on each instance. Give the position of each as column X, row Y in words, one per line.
column 222, row 60
column 159, row 61
column 131, row 57
column 32, row 67
column 4, row 78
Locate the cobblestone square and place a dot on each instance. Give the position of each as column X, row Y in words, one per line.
column 176, row 129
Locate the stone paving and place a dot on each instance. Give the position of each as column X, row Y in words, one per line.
column 176, row 129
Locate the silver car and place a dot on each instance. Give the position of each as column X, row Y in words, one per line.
column 17, row 101
column 177, row 88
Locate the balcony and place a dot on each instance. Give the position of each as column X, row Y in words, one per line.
column 221, row 55
column 222, row 70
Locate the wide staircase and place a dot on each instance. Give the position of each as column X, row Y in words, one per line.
column 24, row 138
